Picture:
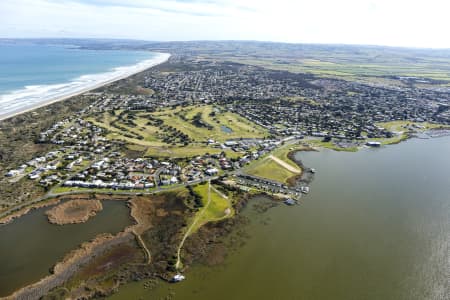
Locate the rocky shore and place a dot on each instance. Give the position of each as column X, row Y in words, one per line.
column 307, row 174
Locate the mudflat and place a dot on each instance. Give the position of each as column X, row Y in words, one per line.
column 73, row 212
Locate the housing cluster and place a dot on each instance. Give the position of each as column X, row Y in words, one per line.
column 286, row 102
column 85, row 158
column 288, row 105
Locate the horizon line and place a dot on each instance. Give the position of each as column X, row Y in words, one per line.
column 225, row 40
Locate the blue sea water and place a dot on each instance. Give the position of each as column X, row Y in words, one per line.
column 32, row 74
column 28, row 65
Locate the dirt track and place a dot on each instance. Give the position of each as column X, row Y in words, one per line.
column 285, row 165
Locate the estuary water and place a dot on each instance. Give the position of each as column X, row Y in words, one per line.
column 376, row 225
column 30, row 245
column 31, row 74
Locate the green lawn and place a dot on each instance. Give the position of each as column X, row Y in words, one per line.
column 403, row 128
column 402, row 125
column 267, row 168
column 240, row 127
column 149, row 137
column 369, row 64
column 118, row 134
column 214, row 211
column 330, row 145
column 283, row 151
column 216, row 207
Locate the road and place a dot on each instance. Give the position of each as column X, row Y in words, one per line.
column 158, row 189
column 50, row 194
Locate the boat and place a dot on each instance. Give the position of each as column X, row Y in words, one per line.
column 290, row 201
column 373, row 144
column 305, row 189
column 178, row 278
column 312, row 170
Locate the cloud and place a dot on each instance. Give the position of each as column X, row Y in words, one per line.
column 386, row 22
column 183, row 7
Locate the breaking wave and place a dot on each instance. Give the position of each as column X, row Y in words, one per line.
column 33, row 96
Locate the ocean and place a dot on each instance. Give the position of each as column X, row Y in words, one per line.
column 32, row 75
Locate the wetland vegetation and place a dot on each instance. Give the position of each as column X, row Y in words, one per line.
column 183, row 146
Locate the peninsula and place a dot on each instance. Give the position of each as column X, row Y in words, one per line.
column 184, row 144
column 75, row 211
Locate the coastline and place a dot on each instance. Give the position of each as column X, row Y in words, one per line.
column 50, row 201
column 135, row 69
column 74, row 212
column 9, row 218
column 76, row 258
column 70, row 264
column 306, row 176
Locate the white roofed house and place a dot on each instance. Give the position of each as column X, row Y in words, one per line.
column 211, row 171
column 165, row 182
column 12, row 173
column 373, row 144
column 231, row 143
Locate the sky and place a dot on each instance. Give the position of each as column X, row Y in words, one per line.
column 407, row 23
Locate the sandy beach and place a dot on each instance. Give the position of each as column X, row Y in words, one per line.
column 45, row 95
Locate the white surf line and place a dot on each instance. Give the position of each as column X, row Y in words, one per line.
column 130, row 71
column 285, row 164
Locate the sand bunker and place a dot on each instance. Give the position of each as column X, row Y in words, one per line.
column 73, row 212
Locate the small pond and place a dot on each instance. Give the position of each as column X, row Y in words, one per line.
column 226, row 129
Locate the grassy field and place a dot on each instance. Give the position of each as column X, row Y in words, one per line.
column 266, row 167
column 330, row 145
column 403, row 125
column 214, row 117
column 216, row 207
column 215, row 211
column 342, row 69
column 401, row 129
column 177, row 132
column 369, row 64
column 283, row 151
